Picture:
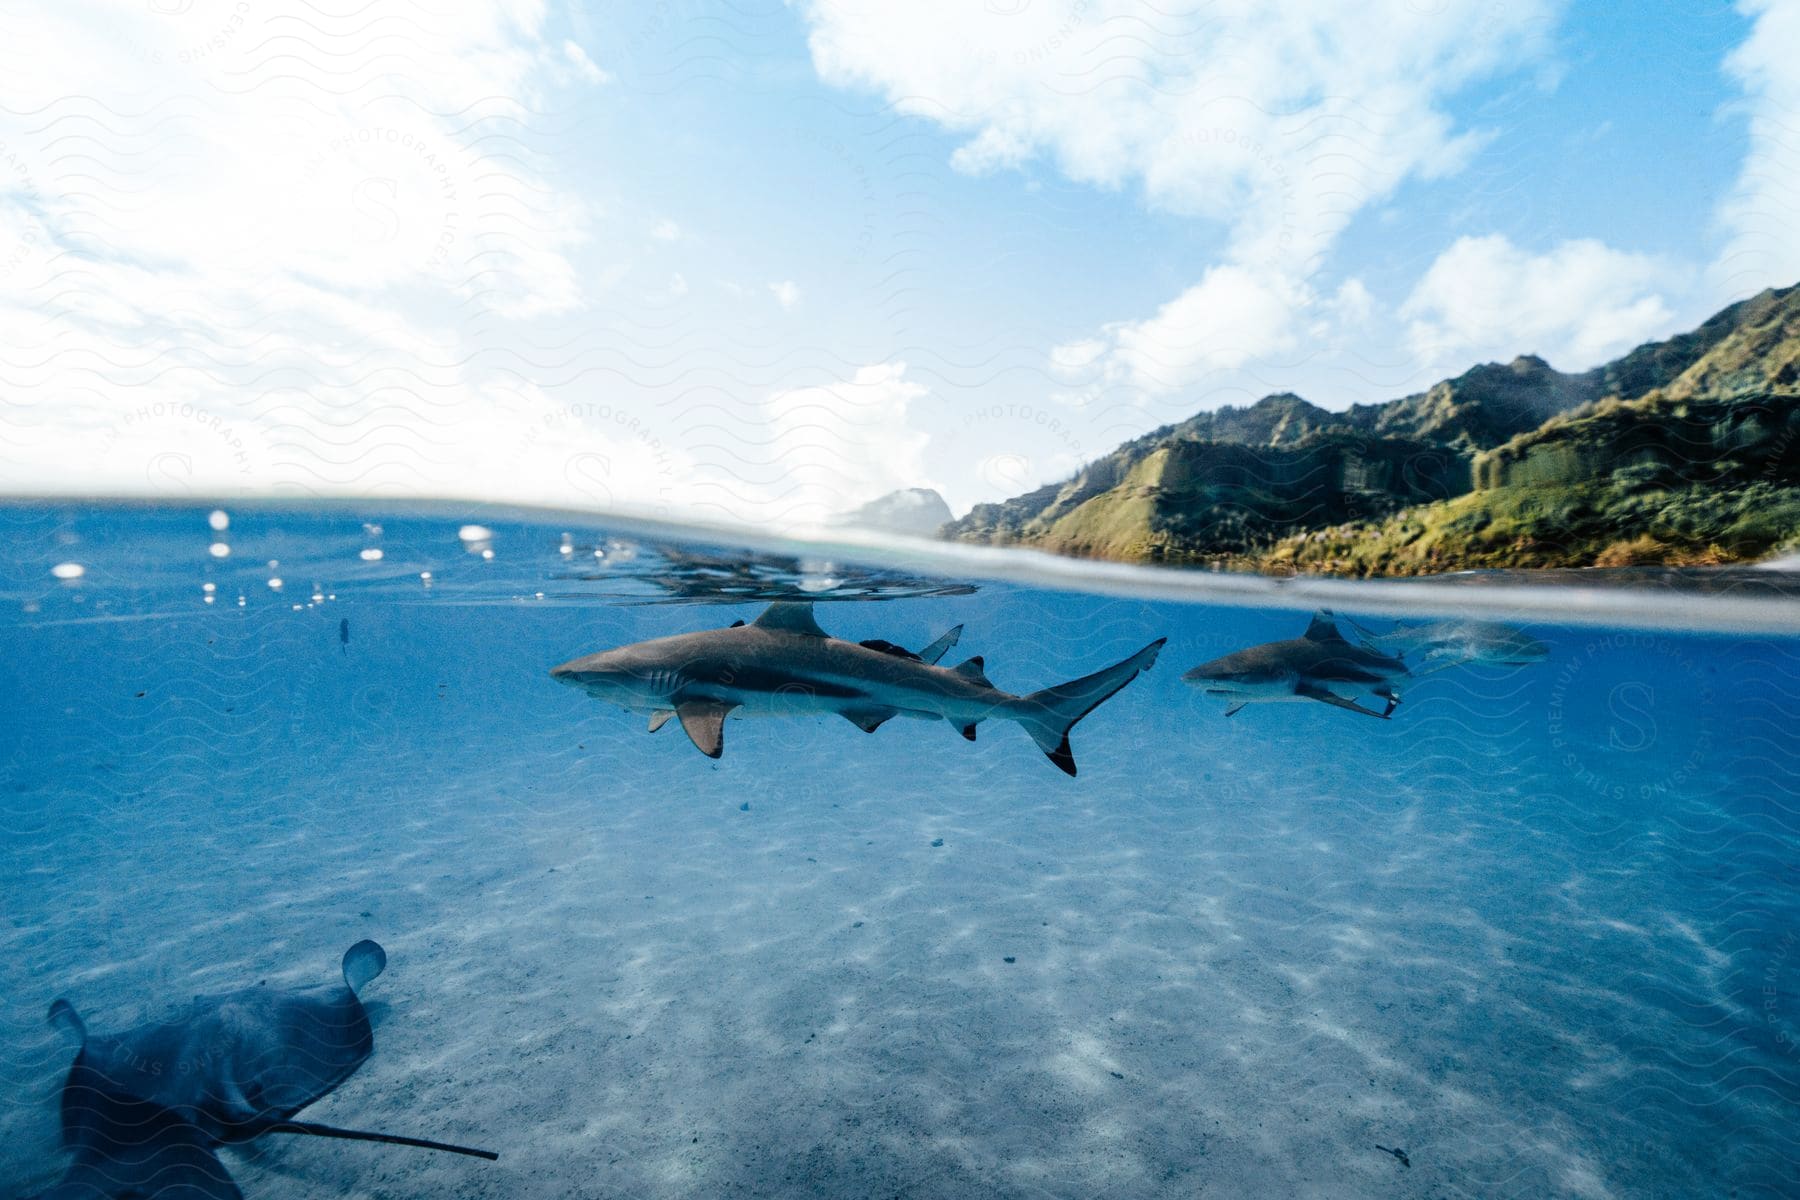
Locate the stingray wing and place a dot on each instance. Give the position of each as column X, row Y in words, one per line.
column 236, row 1063
column 288, row 1050
column 127, row 1147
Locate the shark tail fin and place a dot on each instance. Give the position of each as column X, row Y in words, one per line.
column 1049, row 715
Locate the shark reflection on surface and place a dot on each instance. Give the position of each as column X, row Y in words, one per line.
column 783, row 664
column 1319, row 665
column 1440, row 644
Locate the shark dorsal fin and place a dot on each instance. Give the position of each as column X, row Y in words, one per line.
column 972, row 670
column 1323, row 628
column 790, row 616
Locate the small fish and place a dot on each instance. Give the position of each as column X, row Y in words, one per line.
column 344, row 635
column 1399, row 1154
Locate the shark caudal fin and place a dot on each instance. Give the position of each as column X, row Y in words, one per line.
column 1049, row 715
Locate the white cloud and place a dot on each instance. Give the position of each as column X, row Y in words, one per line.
column 786, row 293
column 1231, row 318
column 1233, row 315
column 1280, row 120
column 840, row 445
column 244, row 249
column 1576, row 305
column 1761, row 217
column 583, row 65
column 665, row 230
column 1073, row 358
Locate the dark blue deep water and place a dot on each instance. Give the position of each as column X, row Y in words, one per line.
column 1540, row 931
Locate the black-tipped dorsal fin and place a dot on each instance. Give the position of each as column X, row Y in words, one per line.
column 932, row 653
column 63, row 1016
column 973, row 670
column 363, row 962
column 1323, row 628
column 791, row 616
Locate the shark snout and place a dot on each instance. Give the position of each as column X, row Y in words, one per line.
column 580, row 671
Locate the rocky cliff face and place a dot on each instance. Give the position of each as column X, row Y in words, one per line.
column 1712, row 411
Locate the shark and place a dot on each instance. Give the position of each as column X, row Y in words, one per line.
column 783, row 664
column 1319, row 665
column 1441, row 644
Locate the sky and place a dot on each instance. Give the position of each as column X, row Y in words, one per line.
column 763, row 262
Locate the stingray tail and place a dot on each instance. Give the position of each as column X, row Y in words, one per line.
column 359, row 1135
column 1049, row 715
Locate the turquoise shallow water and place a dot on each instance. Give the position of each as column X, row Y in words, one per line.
column 1539, row 930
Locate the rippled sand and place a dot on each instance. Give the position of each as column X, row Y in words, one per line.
column 1232, row 958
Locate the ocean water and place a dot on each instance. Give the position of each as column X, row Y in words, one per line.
column 1540, row 931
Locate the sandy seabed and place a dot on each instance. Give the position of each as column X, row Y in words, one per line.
column 1232, row 959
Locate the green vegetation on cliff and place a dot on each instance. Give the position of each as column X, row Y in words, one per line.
column 1682, row 451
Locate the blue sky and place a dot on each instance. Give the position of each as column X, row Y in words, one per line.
column 764, row 261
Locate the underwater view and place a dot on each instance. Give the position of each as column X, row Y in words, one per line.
column 350, row 822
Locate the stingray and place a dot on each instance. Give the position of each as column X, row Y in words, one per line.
column 143, row 1111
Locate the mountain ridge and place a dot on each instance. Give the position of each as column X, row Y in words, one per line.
column 1248, row 487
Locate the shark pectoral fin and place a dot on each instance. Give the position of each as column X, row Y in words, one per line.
column 1324, row 697
column 968, row 731
column 659, row 718
column 704, row 723
column 870, row 719
column 1237, row 708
